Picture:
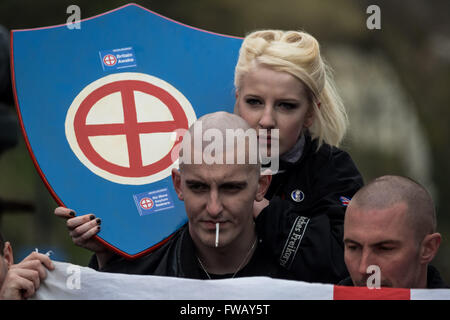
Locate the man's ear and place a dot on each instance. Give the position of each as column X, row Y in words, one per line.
column 263, row 186
column 8, row 253
column 176, row 180
column 430, row 247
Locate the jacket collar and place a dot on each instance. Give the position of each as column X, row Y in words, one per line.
column 307, row 146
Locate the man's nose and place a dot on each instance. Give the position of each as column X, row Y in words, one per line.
column 366, row 260
column 214, row 205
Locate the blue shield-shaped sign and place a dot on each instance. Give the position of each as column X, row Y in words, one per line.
column 99, row 106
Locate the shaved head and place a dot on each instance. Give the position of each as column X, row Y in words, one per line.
column 221, row 120
column 388, row 191
column 220, row 135
column 390, row 223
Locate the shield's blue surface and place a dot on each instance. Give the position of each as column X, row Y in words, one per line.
column 53, row 66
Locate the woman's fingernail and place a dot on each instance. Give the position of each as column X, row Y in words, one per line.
column 72, row 213
column 92, row 217
column 99, row 221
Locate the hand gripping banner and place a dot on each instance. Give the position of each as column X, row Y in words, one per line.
column 99, row 107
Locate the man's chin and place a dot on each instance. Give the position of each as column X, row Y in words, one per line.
column 383, row 284
column 209, row 240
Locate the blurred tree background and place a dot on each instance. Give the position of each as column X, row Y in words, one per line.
column 394, row 82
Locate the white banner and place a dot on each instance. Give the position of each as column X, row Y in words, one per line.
column 74, row 282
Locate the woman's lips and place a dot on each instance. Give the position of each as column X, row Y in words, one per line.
column 266, row 140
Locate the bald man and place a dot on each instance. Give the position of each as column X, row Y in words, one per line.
column 220, row 239
column 390, row 229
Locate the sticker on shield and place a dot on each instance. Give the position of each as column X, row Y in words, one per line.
column 118, row 59
column 123, row 126
column 99, row 115
column 153, row 201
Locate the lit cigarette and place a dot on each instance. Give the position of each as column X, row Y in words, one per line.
column 217, row 234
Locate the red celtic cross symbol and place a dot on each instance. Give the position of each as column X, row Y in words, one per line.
column 131, row 128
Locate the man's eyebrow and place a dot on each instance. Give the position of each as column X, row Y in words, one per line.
column 351, row 241
column 384, row 242
column 380, row 243
column 192, row 181
column 234, row 184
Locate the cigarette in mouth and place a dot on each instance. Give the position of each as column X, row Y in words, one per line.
column 217, row 234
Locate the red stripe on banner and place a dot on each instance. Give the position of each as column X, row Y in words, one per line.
column 364, row 293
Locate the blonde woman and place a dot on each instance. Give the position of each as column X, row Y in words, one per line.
column 283, row 83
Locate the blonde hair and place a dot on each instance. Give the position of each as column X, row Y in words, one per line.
column 298, row 54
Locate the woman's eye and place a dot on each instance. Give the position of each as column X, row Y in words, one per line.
column 287, row 105
column 252, row 101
